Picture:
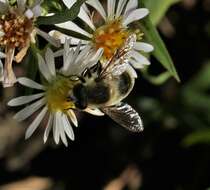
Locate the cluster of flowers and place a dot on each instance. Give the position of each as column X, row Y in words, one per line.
column 109, row 33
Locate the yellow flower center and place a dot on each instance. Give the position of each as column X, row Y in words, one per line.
column 57, row 94
column 17, row 29
column 110, row 37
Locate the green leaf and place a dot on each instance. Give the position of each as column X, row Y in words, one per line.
column 195, row 92
column 70, row 33
column 52, row 6
column 158, row 8
column 197, row 137
column 160, row 51
column 59, row 17
column 201, row 80
column 156, row 80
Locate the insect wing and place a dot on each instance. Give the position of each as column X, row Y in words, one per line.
column 120, row 60
column 126, row 116
column 118, row 69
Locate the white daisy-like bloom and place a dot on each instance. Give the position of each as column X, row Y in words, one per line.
column 52, row 102
column 17, row 31
column 111, row 32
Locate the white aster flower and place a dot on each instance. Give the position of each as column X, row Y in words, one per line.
column 17, row 31
column 52, row 102
column 114, row 30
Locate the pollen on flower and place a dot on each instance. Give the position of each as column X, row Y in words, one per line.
column 16, row 28
column 57, row 94
column 110, row 37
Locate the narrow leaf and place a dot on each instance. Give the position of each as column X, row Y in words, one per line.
column 64, row 16
column 160, row 51
column 158, row 8
column 156, row 80
column 197, row 137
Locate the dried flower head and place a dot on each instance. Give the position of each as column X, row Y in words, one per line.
column 17, row 31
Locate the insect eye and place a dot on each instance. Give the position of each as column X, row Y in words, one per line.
column 80, row 96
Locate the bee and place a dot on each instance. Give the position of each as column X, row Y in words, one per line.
column 105, row 86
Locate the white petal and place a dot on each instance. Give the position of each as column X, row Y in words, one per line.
column 97, row 5
column 48, row 128
column 29, row 110
column 140, row 46
column 140, row 58
column 82, row 55
column 132, row 71
column 49, row 57
column 56, row 131
column 37, row 10
column 35, row 123
column 88, row 58
column 63, row 136
column 62, row 133
column 67, row 127
column 69, row 25
column 69, row 3
column 50, row 39
column 59, row 53
column 73, row 117
column 111, row 8
column 135, row 15
column 54, row 127
column 97, row 55
column 29, row 14
column 136, row 64
column 24, row 99
column 67, row 52
column 84, row 6
column 21, row 5
column 132, row 4
column 72, row 66
column 62, row 37
column 85, row 17
column 43, row 68
column 85, row 65
column 77, row 50
column 95, row 111
column 67, row 62
column 30, row 83
column 66, row 48
column 92, row 56
column 120, row 7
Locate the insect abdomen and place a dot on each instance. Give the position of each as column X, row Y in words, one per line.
column 125, row 83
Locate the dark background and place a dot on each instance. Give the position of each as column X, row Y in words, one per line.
column 102, row 149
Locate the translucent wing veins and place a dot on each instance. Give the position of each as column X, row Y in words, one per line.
column 126, row 116
column 120, row 61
